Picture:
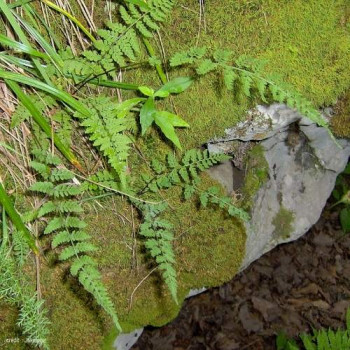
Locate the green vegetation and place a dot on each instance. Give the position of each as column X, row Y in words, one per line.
column 341, row 193
column 283, row 223
column 92, row 100
column 320, row 339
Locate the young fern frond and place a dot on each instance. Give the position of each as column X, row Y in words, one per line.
column 185, row 173
column 100, row 181
column 62, row 212
column 158, row 241
column 212, row 196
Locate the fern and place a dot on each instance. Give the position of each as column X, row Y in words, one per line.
column 100, row 181
column 146, row 18
column 158, row 241
column 174, row 172
column 107, row 128
column 212, row 196
column 247, row 76
column 320, row 339
column 62, row 212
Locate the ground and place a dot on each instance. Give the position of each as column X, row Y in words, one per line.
column 296, row 287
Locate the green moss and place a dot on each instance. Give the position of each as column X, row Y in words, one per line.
column 283, row 223
column 340, row 123
column 256, row 175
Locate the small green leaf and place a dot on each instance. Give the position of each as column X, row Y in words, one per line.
column 162, row 94
column 173, row 119
column 175, row 86
column 167, row 129
column 146, row 90
column 146, row 114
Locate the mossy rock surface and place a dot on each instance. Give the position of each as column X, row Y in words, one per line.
column 308, row 44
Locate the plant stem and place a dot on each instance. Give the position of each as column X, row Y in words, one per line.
column 72, row 18
column 152, row 53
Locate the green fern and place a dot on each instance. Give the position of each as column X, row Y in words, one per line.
column 212, row 196
column 174, row 172
column 322, row 339
column 101, row 182
column 62, row 212
column 158, row 241
column 246, row 74
column 146, row 18
column 107, row 128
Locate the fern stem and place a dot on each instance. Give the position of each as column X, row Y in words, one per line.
column 16, row 219
column 152, row 53
column 106, row 83
column 72, row 18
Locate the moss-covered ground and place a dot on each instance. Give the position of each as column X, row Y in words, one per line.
column 308, row 44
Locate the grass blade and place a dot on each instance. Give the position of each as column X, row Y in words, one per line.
column 42, row 122
column 19, row 3
column 22, row 37
column 5, row 41
column 16, row 219
column 60, row 95
column 72, row 18
column 51, row 53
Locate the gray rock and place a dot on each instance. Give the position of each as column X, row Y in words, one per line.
column 304, row 161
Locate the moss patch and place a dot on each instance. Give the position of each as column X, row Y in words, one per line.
column 340, row 123
column 256, row 175
column 283, row 223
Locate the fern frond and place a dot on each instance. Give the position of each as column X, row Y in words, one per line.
column 187, row 170
column 190, row 56
column 65, row 223
column 158, row 241
column 212, row 195
column 106, row 128
column 76, row 249
column 99, row 181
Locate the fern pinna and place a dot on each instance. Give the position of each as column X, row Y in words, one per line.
column 246, row 75
column 62, row 212
column 185, row 173
column 158, row 234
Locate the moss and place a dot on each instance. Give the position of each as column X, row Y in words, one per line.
column 256, row 175
column 283, row 223
column 340, row 123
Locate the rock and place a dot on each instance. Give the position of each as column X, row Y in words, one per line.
column 304, row 161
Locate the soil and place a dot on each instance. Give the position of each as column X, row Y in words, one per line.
column 296, row 287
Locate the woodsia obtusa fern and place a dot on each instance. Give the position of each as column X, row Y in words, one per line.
column 62, row 212
column 185, row 173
